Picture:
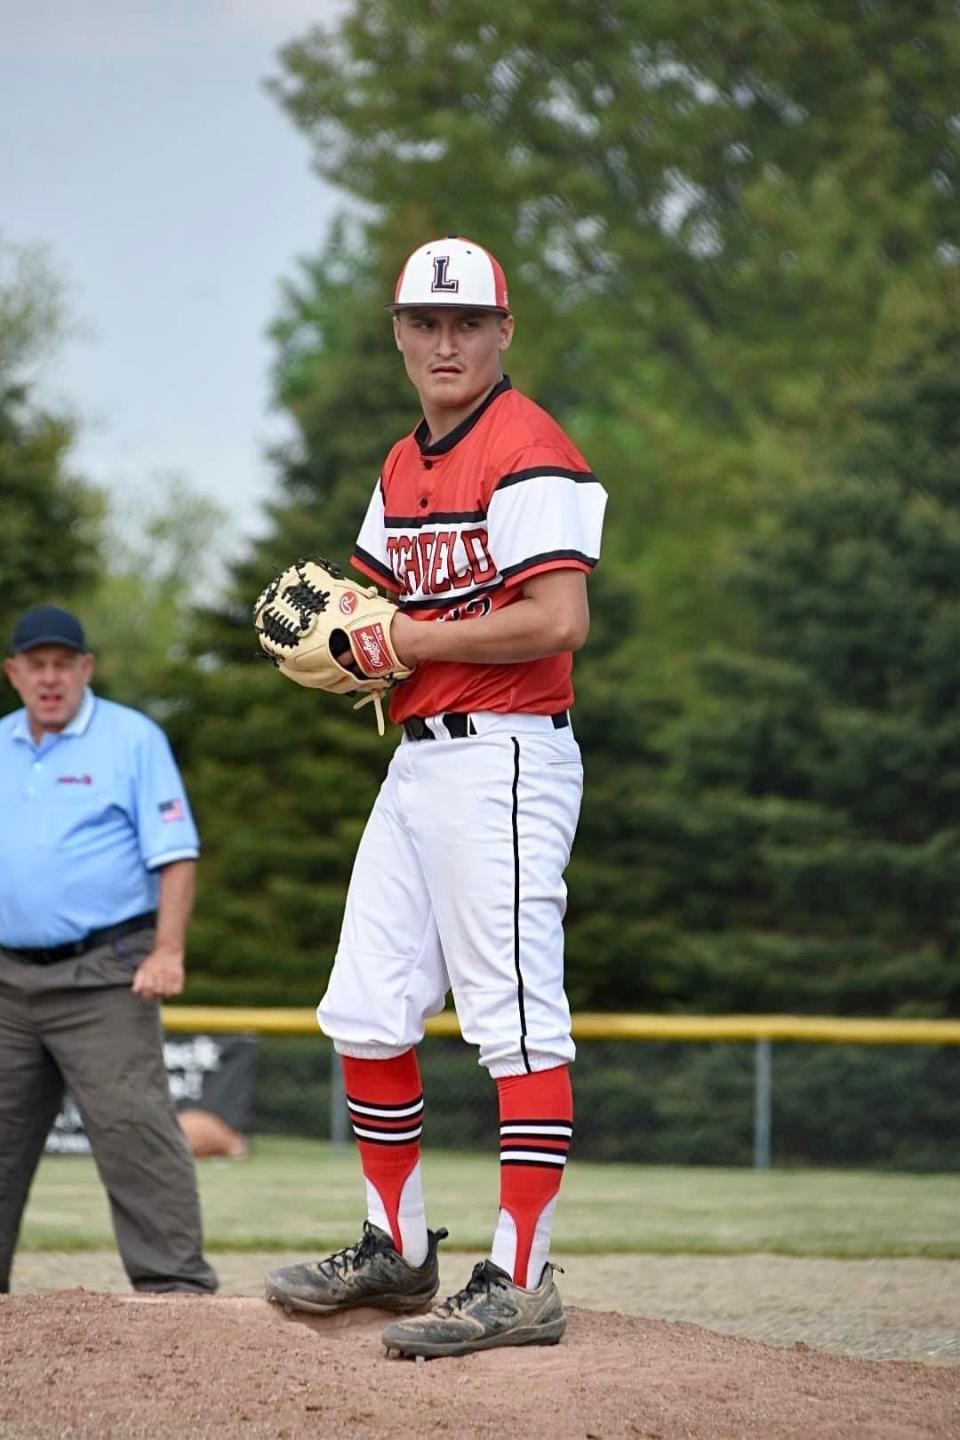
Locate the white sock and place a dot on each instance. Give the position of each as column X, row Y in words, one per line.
column 411, row 1216
column 503, row 1252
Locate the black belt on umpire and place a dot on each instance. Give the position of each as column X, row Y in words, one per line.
column 50, row 954
column 459, row 726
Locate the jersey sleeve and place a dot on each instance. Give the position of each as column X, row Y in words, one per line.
column 545, row 516
column 370, row 552
column 165, row 826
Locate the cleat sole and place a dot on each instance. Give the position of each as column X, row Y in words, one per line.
column 396, row 1304
column 425, row 1350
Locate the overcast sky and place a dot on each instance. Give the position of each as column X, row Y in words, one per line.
column 138, row 145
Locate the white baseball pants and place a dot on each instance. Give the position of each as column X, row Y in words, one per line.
column 458, row 885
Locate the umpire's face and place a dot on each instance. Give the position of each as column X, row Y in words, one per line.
column 453, row 357
column 50, row 680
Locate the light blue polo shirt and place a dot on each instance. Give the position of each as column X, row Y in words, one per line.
column 87, row 817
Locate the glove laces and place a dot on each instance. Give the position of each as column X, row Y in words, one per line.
column 374, row 697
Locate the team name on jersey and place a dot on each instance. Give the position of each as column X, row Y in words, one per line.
column 441, row 561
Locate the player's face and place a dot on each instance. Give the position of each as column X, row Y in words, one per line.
column 453, row 358
column 50, row 680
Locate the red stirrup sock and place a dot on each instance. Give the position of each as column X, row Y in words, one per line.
column 536, row 1124
column 385, row 1099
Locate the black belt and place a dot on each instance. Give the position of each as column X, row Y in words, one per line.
column 50, row 954
column 459, row 726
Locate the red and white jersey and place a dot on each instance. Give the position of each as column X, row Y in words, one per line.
column 455, row 528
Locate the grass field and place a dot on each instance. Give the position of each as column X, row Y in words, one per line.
column 291, row 1193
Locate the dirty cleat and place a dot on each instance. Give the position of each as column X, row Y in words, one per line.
column 371, row 1272
column 490, row 1310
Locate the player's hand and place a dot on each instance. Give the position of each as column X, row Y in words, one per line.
column 341, row 652
column 404, row 634
column 160, row 975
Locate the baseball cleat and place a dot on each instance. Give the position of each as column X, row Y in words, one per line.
column 490, row 1310
column 372, row 1272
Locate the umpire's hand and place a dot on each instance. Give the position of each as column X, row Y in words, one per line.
column 160, row 975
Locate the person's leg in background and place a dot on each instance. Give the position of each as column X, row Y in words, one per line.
column 31, row 1093
column 108, row 1044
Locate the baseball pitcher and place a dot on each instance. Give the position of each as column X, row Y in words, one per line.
column 482, row 530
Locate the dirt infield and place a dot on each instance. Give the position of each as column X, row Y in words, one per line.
column 82, row 1363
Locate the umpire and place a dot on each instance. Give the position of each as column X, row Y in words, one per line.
column 97, row 857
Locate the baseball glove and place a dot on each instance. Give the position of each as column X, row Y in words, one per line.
column 329, row 633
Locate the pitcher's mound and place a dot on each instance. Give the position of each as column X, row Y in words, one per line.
column 84, row 1364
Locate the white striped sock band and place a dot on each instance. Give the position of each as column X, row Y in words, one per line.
column 385, row 1124
column 535, row 1142
column 551, row 1158
column 556, row 1129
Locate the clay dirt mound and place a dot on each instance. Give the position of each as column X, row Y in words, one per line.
column 75, row 1363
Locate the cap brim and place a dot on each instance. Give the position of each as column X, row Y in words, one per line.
column 445, row 305
column 48, row 640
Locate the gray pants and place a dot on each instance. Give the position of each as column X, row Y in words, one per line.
column 76, row 1024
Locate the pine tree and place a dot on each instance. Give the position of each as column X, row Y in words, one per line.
column 827, row 772
column 282, row 778
column 50, row 519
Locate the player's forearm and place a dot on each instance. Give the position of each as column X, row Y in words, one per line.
column 175, row 905
column 545, row 622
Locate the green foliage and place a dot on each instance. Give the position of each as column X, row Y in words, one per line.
column 50, row 520
column 282, row 778
column 31, row 308
column 731, row 232
column 722, row 224
column 138, row 613
column 833, row 745
column 711, row 209
column 281, row 783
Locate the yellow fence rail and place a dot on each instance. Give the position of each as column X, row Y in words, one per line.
column 815, row 1028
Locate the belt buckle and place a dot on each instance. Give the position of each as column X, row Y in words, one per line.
column 459, row 725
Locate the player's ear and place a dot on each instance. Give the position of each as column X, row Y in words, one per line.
column 88, row 663
column 506, row 331
column 396, row 333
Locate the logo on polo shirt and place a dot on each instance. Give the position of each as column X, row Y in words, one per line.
column 171, row 810
column 74, row 779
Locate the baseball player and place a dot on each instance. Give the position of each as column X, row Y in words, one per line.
column 484, row 525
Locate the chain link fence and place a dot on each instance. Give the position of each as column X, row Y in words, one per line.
column 666, row 1102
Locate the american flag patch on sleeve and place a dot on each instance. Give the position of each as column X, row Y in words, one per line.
column 171, row 810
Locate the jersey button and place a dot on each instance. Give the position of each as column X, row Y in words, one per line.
column 428, row 464
column 424, row 502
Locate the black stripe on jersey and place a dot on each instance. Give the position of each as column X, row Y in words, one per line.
column 545, row 558
column 436, row 517
column 380, row 570
column 547, row 472
column 450, row 599
column 516, row 905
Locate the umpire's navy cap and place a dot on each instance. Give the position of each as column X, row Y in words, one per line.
column 47, row 625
